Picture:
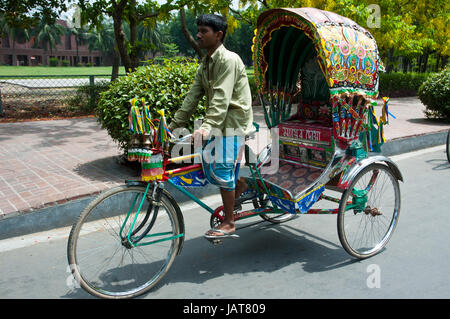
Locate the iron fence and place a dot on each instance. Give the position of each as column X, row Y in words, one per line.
column 45, row 90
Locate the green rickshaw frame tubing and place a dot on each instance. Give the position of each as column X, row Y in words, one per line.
column 360, row 197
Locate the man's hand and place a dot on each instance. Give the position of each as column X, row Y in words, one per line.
column 199, row 136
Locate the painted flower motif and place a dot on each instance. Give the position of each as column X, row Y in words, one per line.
column 324, row 110
column 360, row 52
column 328, row 46
column 299, row 172
column 345, row 48
column 308, row 112
column 286, row 184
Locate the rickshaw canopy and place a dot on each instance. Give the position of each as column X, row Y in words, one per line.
column 288, row 39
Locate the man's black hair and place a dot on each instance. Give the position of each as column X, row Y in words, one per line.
column 216, row 22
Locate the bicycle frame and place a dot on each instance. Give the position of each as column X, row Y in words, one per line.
column 155, row 201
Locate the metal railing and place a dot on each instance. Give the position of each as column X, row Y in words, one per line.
column 45, row 90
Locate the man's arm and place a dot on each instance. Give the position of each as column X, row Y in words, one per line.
column 184, row 113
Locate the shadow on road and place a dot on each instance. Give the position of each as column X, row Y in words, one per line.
column 267, row 248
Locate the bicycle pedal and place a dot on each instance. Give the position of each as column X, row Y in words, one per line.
column 215, row 242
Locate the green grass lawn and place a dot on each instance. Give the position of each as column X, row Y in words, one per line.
column 58, row 70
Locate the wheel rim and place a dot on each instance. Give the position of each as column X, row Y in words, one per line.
column 366, row 229
column 105, row 265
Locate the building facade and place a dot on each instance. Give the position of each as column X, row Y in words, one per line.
column 25, row 52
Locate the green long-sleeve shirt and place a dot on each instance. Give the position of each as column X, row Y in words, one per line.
column 223, row 79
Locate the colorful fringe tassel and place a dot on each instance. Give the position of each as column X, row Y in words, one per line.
column 154, row 169
column 141, row 125
column 139, row 154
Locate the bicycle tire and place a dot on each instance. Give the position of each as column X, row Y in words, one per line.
column 447, row 147
column 380, row 215
column 121, row 280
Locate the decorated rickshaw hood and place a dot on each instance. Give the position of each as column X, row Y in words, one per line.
column 347, row 53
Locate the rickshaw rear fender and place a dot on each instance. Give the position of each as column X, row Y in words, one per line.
column 348, row 176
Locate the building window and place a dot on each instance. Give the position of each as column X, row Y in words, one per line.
column 68, row 42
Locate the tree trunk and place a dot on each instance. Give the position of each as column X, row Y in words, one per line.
column 13, row 53
column 444, row 59
column 188, row 35
column 405, row 64
column 134, row 56
column 120, row 36
column 390, row 60
column 438, row 58
column 116, row 63
column 425, row 61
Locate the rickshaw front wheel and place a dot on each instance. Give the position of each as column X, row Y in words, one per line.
column 369, row 211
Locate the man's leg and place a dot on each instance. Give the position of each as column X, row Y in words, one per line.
column 228, row 224
column 225, row 171
column 241, row 186
column 228, row 208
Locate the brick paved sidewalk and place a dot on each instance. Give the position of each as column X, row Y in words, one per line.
column 51, row 162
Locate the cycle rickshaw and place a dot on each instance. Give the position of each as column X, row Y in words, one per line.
column 317, row 77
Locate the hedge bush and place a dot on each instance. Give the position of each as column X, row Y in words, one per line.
column 164, row 86
column 435, row 95
column 53, row 61
column 391, row 84
column 399, row 84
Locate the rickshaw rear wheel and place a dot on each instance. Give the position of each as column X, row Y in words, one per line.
column 369, row 211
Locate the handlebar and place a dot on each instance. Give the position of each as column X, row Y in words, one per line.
column 182, row 140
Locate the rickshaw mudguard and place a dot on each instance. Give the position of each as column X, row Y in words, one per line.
column 349, row 175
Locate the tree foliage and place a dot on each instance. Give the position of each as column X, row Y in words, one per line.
column 25, row 13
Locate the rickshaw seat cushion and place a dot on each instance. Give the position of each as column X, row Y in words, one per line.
column 290, row 188
column 291, row 179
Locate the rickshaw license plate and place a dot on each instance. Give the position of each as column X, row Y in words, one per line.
column 301, row 131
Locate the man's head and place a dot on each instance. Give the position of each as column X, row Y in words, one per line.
column 212, row 29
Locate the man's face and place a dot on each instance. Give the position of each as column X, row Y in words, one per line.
column 207, row 38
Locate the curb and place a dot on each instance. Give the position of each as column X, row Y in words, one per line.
column 414, row 143
column 64, row 215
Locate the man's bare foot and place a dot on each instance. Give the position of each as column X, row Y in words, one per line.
column 227, row 227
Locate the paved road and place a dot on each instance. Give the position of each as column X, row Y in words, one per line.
column 299, row 259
